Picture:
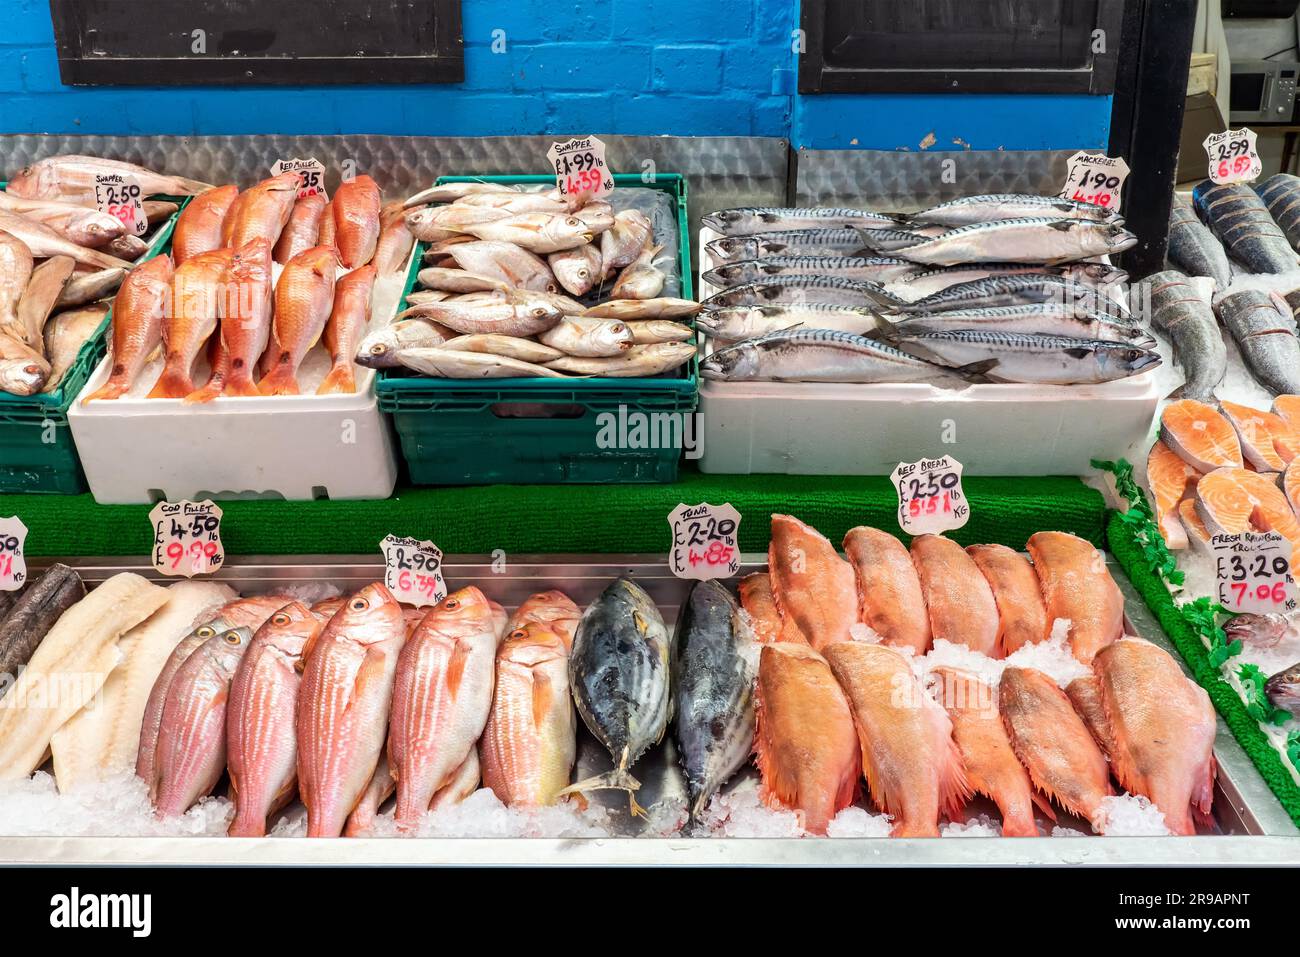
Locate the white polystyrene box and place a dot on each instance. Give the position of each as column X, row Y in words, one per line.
column 135, row 449
column 818, row 428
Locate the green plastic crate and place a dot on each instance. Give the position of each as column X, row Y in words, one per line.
column 542, row 431
column 37, row 453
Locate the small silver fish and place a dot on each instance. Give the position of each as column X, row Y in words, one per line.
column 788, row 242
column 1041, row 360
column 1097, row 275
column 748, row 322
column 379, row 349
column 790, row 290
column 874, row 269
column 748, row 220
column 1022, row 240
column 990, row 208
column 817, row 355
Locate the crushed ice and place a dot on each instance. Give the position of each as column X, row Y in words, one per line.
column 1131, row 815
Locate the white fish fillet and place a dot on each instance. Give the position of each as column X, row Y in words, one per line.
column 103, row 738
column 69, row 667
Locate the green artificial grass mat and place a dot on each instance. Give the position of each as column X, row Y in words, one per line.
column 562, row 519
column 1128, row 552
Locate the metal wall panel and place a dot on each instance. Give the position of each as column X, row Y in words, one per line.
column 721, row 171
column 909, row 181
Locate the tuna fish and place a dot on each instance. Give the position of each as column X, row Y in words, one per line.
column 713, row 691
column 619, row 671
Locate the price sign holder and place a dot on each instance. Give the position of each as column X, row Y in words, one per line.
column 704, row 541
column 1095, row 178
column 120, row 197
column 1254, row 572
column 930, row 496
column 1233, row 157
column 13, row 566
column 580, row 170
column 187, row 538
column 413, row 570
column 311, row 173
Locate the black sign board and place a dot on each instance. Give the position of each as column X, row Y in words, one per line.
column 257, row 42
column 959, row 46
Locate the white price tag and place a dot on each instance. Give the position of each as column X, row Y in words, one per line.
column 187, row 538
column 580, row 170
column 1095, row 178
column 1232, row 155
column 704, row 541
column 311, row 174
column 413, row 570
column 930, row 496
column 13, row 567
column 120, row 197
column 1254, row 572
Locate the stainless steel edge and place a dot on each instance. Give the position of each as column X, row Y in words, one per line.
column 1256, row 830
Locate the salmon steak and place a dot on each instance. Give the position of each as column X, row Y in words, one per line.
column 1231, row 500
column 1169, row 478
column 812, row 585
column 1268, row 442
column 1022, row 616
column 1162, row 728
column 1200, row 435
column 890, row 599
column 1053, row 743
column 1077, row 586
column 958, row 599
column 805, row 744
column 912, row 765
column 992, row 768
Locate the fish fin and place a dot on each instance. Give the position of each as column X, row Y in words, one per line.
column 543, row 696
column 340, row 378
column 1064, row 225
column 975, row 371
column 172, row 384
column 205, row 394
column 456, row 667
column 1203, row 792
column 281, row 380
column 954, row 788
column 1043, row 804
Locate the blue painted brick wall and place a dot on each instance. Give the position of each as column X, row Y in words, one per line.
column 682, row 67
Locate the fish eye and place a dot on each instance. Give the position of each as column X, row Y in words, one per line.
column 358, row 604
column 539, row 312
column 518, row 633
column 582, row 273
column 573, row 221
column 451, row 603
column 280, row 618
column 232, row 638
column 378, row 349
column 206, row 632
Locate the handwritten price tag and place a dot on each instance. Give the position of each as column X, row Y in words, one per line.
column 580, row 169
column 930, row 497
column 1095, row 178
column 311, row 173
column 413, row 570
column 120, row 197
column 187, row 538
column 704, row 541
column 1233, row 158
column 1254, row 572
column 13, row 567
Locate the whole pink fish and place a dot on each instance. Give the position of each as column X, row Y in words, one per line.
column 262, row 751
column 191, row 754
column 343, row 701
column 552, row 608
column 248, row 613
column 441, row 699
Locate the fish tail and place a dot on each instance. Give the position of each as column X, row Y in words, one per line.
column 617, row 780
column 112, row 389
column 205, row 394
column 241, row 386
column 341, row 378
column 172, row 384
column 922, row 828
column 190, row 187
column 247, row 825
column 281, row 380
